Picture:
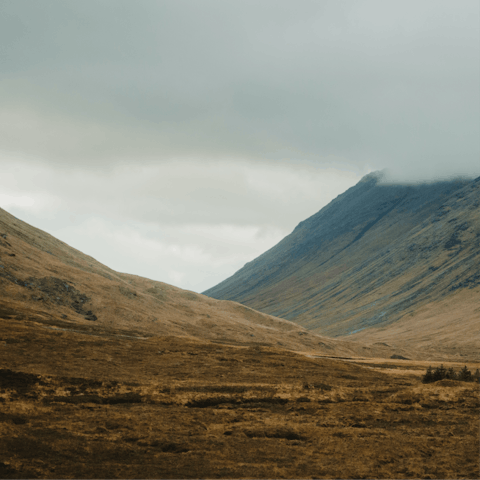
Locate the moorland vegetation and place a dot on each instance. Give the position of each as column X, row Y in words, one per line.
column 441, row 373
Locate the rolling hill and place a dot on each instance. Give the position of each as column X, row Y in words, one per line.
column 45, row 281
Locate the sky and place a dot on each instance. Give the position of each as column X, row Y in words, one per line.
column 180, row 139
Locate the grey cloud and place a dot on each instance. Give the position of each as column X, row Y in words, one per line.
column 392, row 84
column 183, row 193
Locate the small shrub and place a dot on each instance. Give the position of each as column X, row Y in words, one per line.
column 465, row 375
column 428, row 377
column 441, row 373
column 451, row 375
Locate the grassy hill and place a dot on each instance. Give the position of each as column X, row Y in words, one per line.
column 44, row 280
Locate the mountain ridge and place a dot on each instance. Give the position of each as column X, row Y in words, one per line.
column 321, row 275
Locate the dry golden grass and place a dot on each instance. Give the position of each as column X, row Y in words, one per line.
column 106, row 405
column 440, row 328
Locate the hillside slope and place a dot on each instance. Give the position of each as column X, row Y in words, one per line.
column 375, row 255
column 46, row 281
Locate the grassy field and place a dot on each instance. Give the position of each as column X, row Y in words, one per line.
column 93, row 404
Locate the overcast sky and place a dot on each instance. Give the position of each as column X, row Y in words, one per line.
column 178, row 139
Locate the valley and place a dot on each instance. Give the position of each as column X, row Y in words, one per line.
column 110, row 375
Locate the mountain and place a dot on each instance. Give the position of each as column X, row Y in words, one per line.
column 45, row 281
column 381, row 263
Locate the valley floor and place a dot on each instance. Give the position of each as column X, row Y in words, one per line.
column 84, row 402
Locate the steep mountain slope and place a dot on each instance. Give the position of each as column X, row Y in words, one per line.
column 376, row 254
column 44, row 280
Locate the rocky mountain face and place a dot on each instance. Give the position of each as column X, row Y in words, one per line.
column 377, row 257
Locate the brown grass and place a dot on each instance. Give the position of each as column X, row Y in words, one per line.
column 94, row 404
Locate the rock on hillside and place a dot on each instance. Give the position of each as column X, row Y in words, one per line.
column 376, row 254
